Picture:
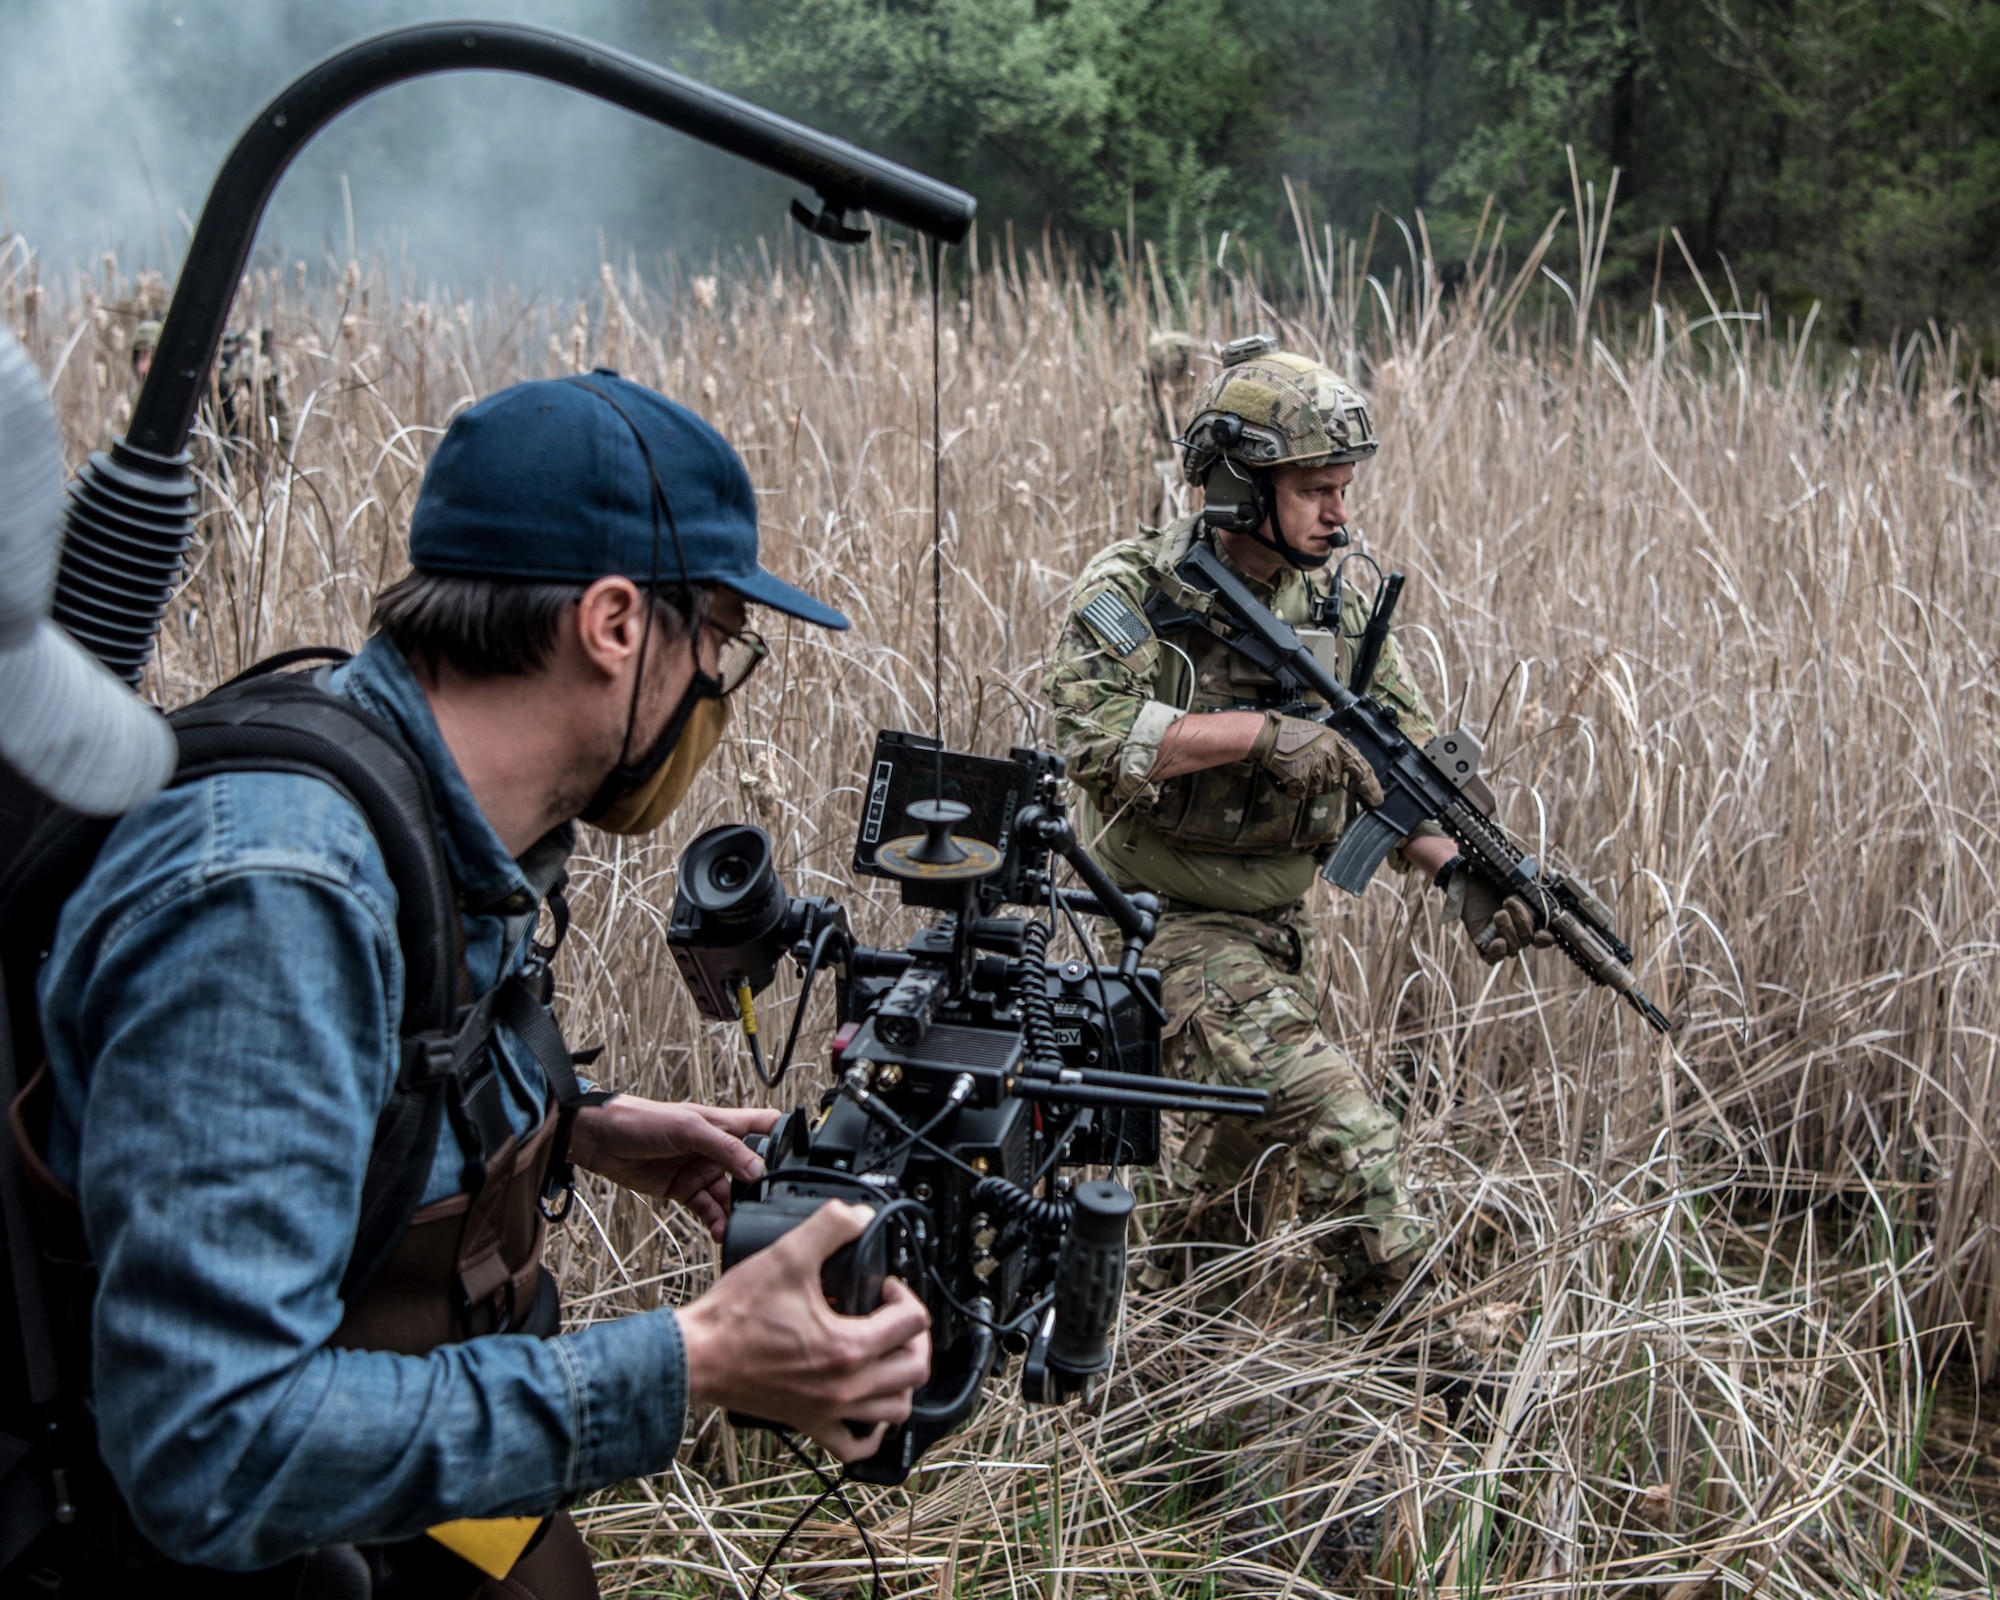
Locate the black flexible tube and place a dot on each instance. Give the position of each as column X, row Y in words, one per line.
column 1031, row 996
column 1010, row 1200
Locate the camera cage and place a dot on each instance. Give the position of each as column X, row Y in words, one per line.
column 968, row 1070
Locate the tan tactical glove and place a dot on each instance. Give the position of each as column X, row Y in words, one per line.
column 1498, row 926
column 1310, row 758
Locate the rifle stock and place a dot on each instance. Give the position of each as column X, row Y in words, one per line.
column 1439, row 783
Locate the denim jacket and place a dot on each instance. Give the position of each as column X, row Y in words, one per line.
column 221, row 1008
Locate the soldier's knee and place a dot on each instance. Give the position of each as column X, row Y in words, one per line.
column 1354, row 1146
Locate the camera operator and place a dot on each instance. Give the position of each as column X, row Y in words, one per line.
column 221, row 1015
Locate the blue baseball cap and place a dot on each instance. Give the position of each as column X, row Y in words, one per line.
column 554, row 481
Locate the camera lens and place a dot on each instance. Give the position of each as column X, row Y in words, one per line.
column 729, row 875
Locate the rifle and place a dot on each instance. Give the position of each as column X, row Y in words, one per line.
column 1439, row 783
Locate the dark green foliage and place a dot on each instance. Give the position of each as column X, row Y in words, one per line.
column 1093, row 113
column 1810, row 148
column 1840, row 150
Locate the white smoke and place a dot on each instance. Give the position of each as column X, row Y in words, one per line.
column 115, row 115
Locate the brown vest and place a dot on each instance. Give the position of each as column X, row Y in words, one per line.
column 469, row 1264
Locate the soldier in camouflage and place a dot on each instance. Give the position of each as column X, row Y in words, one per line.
column 1196, row 787
column 256, row 416
column 144, row 340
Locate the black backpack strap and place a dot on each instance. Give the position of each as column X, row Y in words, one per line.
column 534, row 1024
column 289, row 658
column 270, row 722
column 293, row 724
column 39, row 1416
column 559, row 1063
column 29, row 1508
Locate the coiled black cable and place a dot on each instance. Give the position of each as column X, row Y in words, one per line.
column 1011, row 1201
column 1031, row 991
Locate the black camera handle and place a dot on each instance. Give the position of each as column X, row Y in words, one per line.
column 1137, row 915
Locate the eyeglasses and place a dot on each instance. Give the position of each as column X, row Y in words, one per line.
column 742, row 653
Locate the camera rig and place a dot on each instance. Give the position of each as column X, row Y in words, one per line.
column 968, row 1069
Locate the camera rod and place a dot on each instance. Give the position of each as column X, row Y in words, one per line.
column 1100, row 1077
column 1137, row 915
column 1161, row 1097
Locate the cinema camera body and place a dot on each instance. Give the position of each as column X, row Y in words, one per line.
column 968, row 1071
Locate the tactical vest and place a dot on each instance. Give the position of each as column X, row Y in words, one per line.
column 466, row 1266
column 1237, row 808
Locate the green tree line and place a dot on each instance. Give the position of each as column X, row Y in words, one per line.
column 1840, row 150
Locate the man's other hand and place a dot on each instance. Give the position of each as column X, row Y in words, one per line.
column 764, row 1341
column 1499, row 926
column 672, row 1151
column 1308, row 758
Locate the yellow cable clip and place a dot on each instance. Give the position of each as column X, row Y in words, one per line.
column 745, row 1009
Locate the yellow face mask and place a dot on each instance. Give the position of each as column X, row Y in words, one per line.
column 645, row 805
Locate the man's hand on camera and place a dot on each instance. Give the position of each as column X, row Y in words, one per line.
column 764, row 1341
column 671, row 1151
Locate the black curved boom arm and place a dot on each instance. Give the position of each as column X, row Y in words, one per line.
column 131, row 509
column 846, row 178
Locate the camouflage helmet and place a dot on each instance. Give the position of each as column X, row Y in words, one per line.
column 146, row 336
column 1269, row 408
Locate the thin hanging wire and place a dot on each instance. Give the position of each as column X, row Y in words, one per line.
column 937, row 513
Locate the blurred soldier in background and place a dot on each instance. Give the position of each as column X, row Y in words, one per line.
column 255, row 413
column 1171, row 379
column 1196, row 787
column 253, row 417
column 145, row 340
column 1172, row 376
column 139, row 348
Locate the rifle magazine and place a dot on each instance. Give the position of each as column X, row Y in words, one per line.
column 1360, row 850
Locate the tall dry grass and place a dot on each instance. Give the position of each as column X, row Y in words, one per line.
column 1723, row 601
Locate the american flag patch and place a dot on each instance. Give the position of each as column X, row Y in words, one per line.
column 1113, row 620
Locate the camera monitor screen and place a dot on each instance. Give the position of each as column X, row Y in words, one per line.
column 905, row 769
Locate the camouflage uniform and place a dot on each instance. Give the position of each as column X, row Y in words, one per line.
column 145, row 340
column 1233, row 858
column 1242, row 1011
column 255, row 413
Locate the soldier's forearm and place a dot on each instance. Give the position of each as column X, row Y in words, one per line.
column 1428, row 853
column 1211, row 740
